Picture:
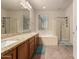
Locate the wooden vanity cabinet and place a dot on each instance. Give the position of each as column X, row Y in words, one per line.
column 23, row 51
column 10, row 55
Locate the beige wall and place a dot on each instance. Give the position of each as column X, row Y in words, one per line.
column 52, row 15
column 75, row 29
column 69, row 14
column 3, row 12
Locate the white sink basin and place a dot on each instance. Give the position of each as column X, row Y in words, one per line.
column 6, row 43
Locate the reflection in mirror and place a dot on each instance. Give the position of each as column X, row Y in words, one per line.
column 26, row 21
column 14, row 17
column 5, row 21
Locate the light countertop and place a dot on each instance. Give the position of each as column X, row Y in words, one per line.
column 8, row 43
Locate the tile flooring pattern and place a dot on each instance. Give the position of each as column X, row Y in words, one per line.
column 55, row 52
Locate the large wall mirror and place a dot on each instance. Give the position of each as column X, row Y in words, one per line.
column 14, row 17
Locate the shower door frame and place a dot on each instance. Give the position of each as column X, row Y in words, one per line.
column 61, row 30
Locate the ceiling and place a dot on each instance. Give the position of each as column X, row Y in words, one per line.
column 11, row 4
column 36, row 4
column 50, row 4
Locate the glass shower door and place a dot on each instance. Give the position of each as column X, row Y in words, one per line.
column 65, row 32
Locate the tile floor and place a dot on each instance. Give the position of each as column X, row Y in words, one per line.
column 55, row 52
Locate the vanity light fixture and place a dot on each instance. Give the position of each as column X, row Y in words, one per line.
column 23, row 5
column 44, row 7
column 26, row 4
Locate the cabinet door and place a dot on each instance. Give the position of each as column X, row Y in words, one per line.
column 23, row 51
column 10, row 55
column 36, row 41
column 32, row 46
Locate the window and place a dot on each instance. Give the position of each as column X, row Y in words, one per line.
column 43, row 22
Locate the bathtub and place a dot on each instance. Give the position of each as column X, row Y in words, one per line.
column 48, row 39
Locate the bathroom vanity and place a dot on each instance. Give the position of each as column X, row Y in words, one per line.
column 23, row 47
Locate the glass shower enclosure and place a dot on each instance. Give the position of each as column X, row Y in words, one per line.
column 63, row 24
